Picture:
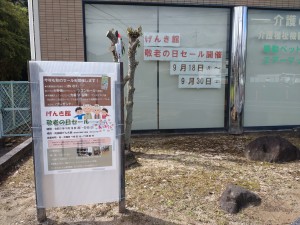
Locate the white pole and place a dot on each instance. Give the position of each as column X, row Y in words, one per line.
column 34, row 29
column 31, row 30
column 35, row 49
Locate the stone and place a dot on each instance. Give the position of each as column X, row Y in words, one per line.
column 274, row 149
column 297, row 222
column 235, row 198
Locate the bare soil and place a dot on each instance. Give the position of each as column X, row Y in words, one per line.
column 178, row 180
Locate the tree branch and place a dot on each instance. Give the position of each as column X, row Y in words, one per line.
column 135, row 44
column 114, row 39
column 125, row 80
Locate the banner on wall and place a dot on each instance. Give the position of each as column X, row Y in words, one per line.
column 195, row 68
column 182, row 54
column 75, row 111
column 161, row 39
column 194, row 81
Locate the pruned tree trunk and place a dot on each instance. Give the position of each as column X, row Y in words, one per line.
column 133, row 36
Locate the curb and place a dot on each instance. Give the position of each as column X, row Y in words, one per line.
column 15, row 154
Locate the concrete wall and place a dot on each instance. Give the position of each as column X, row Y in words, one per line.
column 61, row 22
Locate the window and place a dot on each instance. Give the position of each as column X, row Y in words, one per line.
column 272, row 70
column 167, row 97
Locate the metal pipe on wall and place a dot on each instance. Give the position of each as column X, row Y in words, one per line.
column 237, row 70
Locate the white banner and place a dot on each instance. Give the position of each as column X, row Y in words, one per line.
column 195, row 68
column 194, row 81
column 183, row 54
column 161, row 39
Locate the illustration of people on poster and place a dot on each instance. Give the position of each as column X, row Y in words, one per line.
column 78, row 122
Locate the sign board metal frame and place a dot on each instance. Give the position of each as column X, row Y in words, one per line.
column 76, row 186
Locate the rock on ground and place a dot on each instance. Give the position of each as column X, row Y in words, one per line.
column 272, row 149
column 297, row 222
column 235, row 198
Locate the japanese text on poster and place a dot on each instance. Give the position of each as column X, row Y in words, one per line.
column 203, row 62
column 182, row 54
column 194, row 81
column 194, row 68
column 161, row 39
column 74, row 91
column 77, row 122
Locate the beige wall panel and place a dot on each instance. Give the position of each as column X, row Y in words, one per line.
column 61, row 30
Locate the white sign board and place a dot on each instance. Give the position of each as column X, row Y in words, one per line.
column 182, row 54
column 194, row 81
column 161, row 39
column 195, row 68
column 76, row 146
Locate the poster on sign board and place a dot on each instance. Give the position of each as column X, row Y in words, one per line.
column 77, row 122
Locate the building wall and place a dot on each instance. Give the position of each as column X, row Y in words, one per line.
column 61, row 22
column 61, row 30
column 252, row 3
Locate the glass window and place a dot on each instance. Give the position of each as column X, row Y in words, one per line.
column 101, row 18
column 199, row 28
column 181, row 76
column 272, row 70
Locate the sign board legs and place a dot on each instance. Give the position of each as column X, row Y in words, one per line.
column 41, row 215
column 122, row 207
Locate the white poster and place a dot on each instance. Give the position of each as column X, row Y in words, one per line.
column 194, row 81
column 183, row 54
column 195, row 68
column 77, row 122
column 161, row 39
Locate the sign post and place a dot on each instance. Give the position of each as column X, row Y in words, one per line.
column 122, row 204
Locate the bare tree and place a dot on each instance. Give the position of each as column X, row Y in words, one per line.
column 134, row 42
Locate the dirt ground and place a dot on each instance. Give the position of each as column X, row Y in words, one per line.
column 178, row 180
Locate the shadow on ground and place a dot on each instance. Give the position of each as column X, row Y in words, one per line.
column 130, row 217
